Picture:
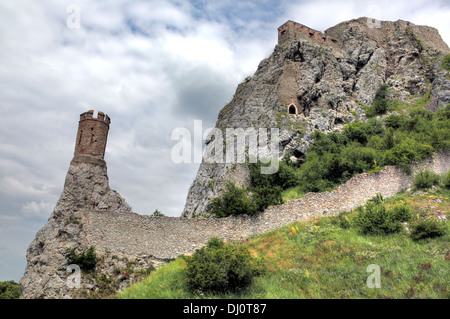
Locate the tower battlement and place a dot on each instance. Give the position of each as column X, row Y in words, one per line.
column 90, row 115
column 91, row 138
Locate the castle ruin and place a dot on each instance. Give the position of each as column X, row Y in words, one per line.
column 91, row 138
column 291, row 31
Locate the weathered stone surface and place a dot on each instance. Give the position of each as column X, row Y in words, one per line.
column 86, row 189
column 326, row 83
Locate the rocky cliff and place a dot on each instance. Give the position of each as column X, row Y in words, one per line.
column 86, row 189
column 325, row 82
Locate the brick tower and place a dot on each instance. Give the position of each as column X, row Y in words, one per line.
column 91, row 139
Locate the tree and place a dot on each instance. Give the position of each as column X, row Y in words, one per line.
column 157, row 213
column 234, row 201
column 9, row 290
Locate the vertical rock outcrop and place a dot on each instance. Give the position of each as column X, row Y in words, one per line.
column 324, row 79
column 86, row 189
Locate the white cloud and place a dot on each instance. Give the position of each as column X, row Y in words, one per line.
column 39, row 209
column 323, row 14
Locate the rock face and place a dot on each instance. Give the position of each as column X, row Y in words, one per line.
column 86, row 189
column 314, row 81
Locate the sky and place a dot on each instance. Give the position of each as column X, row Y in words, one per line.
column 152, row 66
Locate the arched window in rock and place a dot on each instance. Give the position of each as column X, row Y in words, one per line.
column 292, row 109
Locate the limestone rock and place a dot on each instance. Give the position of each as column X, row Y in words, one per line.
column 325, row 85
column 86, row 188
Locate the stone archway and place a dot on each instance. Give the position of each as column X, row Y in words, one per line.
column 292, row 109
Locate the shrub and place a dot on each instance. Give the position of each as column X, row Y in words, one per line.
column 445, row 64
column 285, row 176
column 446, row 180
column 267, row 196
column 343, row 220
column 401, row 213
column 428, row 229
column 406, row 151
column 380, row 106
column 157, row 213
column 426, row 179
column 380, row 103
column 86, row 260
column 396, row 121
column 377, row 220
column 220, row 268
column 234, row 201
column 9, row 290
column 377, row 199
column 357, row 131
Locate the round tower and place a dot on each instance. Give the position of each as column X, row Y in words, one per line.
column 91, row 139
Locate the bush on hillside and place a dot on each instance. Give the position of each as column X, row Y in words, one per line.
column 264, row 197
column 220, row 268
column 401, row 213
column 426, row 179
column 157, row 213
column 377, row 199
column 429, row 228
column 284, row 177
column 445, row 64
column 234, row 201
column 380, row 103
column 446, row 180
column 376, row 219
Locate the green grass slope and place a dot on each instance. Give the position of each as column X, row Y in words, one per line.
column 328, row 257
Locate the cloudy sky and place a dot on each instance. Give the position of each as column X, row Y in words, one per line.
column 152, row 66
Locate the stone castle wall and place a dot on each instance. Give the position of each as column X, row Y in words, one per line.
column 165, row 238
column 291, row 31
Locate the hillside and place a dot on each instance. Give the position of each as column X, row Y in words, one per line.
column 328, row 257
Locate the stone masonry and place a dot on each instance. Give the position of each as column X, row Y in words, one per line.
column 165, row 238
